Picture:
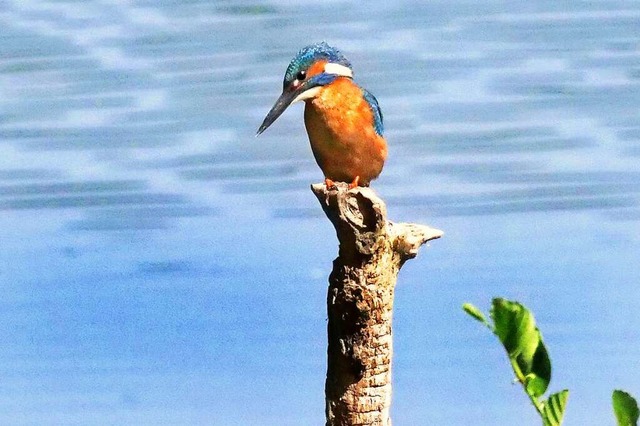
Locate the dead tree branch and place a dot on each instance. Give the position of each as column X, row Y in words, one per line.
column 360, row 302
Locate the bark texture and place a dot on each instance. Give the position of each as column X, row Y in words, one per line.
column 360, row 302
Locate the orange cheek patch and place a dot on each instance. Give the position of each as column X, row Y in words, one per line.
column 316, row 68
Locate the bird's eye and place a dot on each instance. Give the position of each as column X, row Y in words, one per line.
column 301, row 75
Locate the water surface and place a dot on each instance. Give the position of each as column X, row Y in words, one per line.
column 160, row 265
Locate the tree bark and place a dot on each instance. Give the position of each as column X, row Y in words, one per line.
column 360, row 302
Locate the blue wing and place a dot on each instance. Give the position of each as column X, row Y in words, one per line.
column 375, row 109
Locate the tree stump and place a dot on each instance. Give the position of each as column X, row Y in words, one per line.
column 360, row 302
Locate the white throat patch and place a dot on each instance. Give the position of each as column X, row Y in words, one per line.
column 307, row 94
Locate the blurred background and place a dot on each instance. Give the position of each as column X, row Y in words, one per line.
column 159, row 265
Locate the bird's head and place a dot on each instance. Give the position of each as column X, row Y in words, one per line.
column 314, row 66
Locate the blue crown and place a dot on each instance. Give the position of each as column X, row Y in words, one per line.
column 310, row 54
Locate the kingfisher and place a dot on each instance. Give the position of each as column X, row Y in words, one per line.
column 343, row 120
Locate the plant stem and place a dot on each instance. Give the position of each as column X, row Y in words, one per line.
column 521, row 379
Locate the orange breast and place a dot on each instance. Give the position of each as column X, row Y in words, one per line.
column 339, row 123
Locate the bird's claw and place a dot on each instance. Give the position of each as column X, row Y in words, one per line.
column 329, row 183
column 332, row 185
column 355, row 183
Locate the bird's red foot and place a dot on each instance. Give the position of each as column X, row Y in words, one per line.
column 355, row 182
column 329, row 183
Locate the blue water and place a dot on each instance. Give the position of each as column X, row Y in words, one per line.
column 160, row 265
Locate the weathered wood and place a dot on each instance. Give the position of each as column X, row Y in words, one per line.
column 360, row 302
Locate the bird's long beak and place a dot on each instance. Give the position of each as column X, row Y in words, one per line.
column 285, row 99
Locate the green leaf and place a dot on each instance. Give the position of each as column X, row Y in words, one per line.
column 541, row 367
column 515, row 326
column 625, row 408
column 535, row 385
column 553, row 411
column 475, row 313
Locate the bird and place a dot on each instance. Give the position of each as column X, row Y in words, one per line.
column 344, row 122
